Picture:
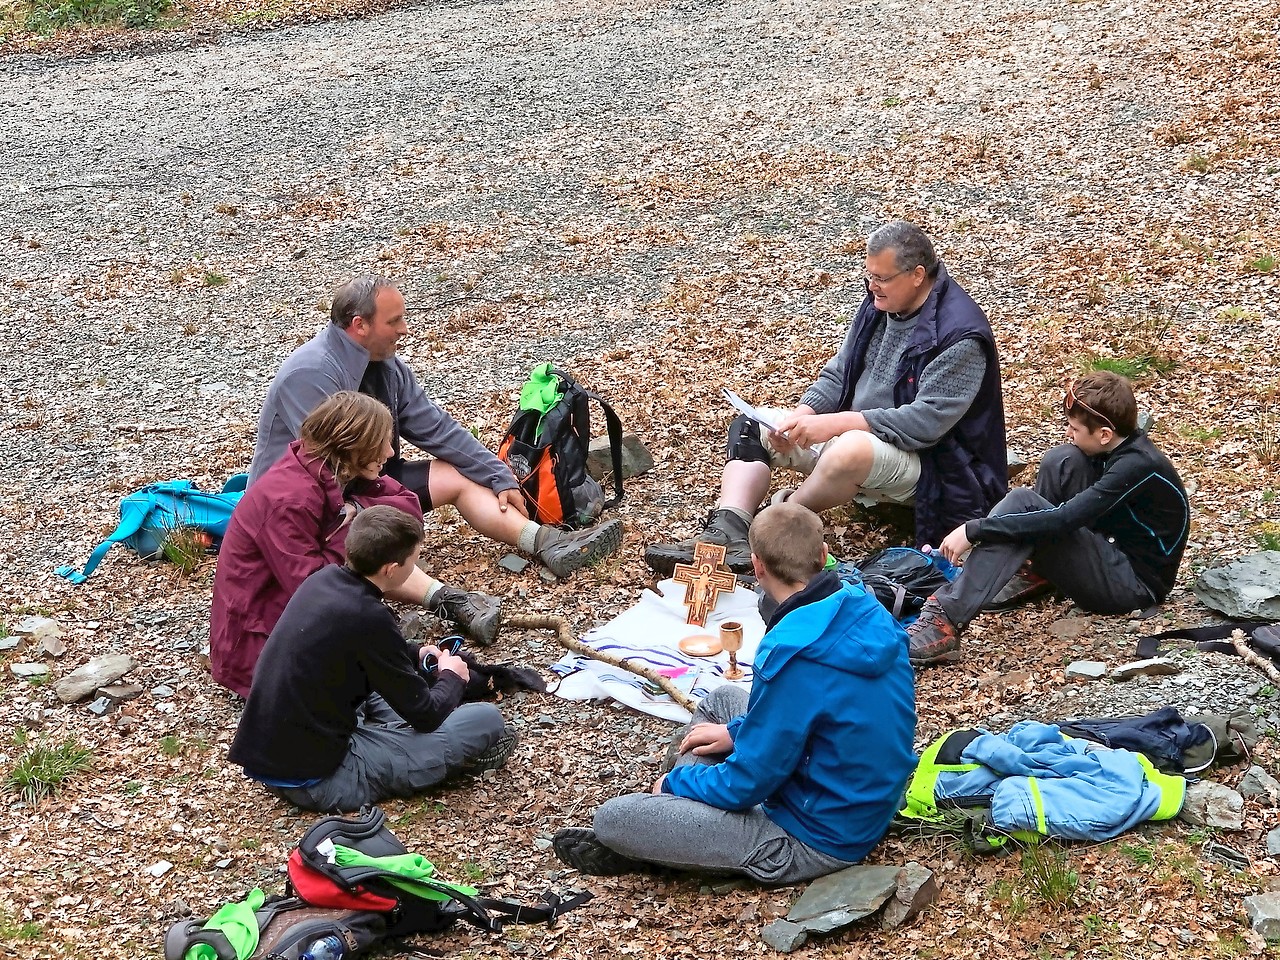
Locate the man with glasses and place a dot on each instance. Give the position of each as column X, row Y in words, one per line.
column 1106, row 524
column 909, row 411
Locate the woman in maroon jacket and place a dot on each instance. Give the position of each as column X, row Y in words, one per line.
column 294, row 521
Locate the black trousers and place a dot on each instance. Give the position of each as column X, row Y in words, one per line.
column 1087, row 566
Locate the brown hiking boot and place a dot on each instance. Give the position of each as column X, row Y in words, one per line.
column 565, row 553
column 478, row 614
column 933, row 638
column 1023, row 587
column 723, row 527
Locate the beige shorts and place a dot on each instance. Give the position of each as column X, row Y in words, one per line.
column 894, row 473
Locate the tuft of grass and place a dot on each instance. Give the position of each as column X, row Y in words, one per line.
column 42, row 770
column 11, row 929
column 1268, row 536
column 1196, row 163
column 1133, row 366
column 1049, row 876
column 1142, row 854
column 214, row 280
column 170, row 746
column 1014, row 900
column 185, row 547
column 48, row 16
column 1264, row 264
column 474, row 872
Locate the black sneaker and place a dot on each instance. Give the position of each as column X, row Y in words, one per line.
column 495, row 758
column 722, row 527
column 579, row 848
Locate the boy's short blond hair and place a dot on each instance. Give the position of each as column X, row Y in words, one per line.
column 787, row 538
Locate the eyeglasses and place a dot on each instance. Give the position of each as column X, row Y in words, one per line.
column 1072, row 401
column 872, row 280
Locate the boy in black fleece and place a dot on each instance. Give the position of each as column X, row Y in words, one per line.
column 340, row 713
column 1106, row 525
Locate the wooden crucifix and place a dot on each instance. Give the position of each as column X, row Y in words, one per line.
column 704, row 579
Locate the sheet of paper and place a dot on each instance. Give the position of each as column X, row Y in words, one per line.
column 748, row 410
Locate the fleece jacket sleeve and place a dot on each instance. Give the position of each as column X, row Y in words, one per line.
column 768, row 747
column 824, row 395
column 290, row 542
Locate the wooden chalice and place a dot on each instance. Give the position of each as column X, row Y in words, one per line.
column 731, row 640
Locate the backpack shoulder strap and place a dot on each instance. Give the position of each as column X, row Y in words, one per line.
column 134, row 510
column 614, row 425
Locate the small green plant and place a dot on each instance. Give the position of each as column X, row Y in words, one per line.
column 185, row 547
column 1134, row 366
column 473, row 872
column 891, row 101
column 170, row 746
column 46, row 16
column 1268, row 538
column 1014, row 900
column 1239, row 314
column 1143, row 855
column 11, row 929
column 1197, row 163
column 215, row 280
column 42, row 770
column 1264, row 264
column 249, row 843
column 20, row 737
column 1049, row 876
column 133, row 788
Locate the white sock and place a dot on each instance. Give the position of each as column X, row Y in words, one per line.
column 737, row 512
column 431, row 591
column 528, row 539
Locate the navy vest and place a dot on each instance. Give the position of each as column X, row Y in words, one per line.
column 966, row 473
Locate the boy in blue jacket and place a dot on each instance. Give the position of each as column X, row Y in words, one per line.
column 801, row 777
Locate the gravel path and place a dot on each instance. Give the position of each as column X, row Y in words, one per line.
column 667, row 196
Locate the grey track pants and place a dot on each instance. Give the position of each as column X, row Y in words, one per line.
column 1085, row 565
column 689, row 835
column 388, row 758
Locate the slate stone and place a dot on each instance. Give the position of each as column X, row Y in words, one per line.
column 513, row 563
column 1264, row 914
column 1210, row 804
column 9, row 643
column 1146, row 421
column 163, row 691
column 120, row 691
column 53, row 648
column 1273, row 843
column 101, row 707
column 159, row 868
column 26, row 671
column 98, row 672
column 636, row 458
column 1244, row 589
column 37, row 628
column 1258, row 783
column 841, row 898
column 1155, row 667
column 546, row 576
column 1014, row 462
column 784, row 936
column 1086, row 670
column 1227, row 856
column 917, row 888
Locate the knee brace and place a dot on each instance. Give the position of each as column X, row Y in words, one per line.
column 745, row 443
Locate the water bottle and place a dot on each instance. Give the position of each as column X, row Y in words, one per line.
column 328, row 947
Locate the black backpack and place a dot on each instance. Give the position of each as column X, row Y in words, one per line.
column 548, row 455
column 903, row 578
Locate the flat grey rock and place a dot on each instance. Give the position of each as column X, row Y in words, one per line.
column 37, row 628
column 916, row 889
column 1264, row 914
column 1014, row 462
column 101, row 707
column 1086, row 670
column 1146, row 421
column 120, row 691
column 1210, row 804
column 841, row 898
column 1244, row 589
column 159, row 868
column 1273, row 843
column 98, row 672
column 1258, row 783
column 26, row 671
column 1154, row 667
column 636, row 458
column 9, row 643
column 53, row 647
column 162, row 691
column 784, row 936
column 513, row 563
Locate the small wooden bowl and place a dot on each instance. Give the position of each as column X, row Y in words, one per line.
column 700, row 645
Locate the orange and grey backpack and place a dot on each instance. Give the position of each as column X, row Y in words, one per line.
column 547, row 445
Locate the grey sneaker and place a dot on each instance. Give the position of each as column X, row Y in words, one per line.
column 565, row 553
column 478, row 614
column 495, row 758
column 723, row 527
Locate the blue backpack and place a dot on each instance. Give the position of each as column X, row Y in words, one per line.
column 147, row 516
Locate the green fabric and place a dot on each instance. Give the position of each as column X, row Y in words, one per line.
column 410, row 872
column 1173, row 789
column 920, row 804
column 237, row 923
column 541, row 391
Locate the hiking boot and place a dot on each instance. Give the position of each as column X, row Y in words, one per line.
column 478, row 614
column 723, row 527
column 496, row 756
column 933, row 638
column 1023, row 587
column 579, row 848
column 564, row 553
